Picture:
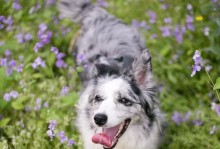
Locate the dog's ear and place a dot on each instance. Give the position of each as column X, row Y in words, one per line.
column 141, row 69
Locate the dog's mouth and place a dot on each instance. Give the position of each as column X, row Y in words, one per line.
column 109, row 136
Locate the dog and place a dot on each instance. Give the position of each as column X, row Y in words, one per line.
column 118, row 107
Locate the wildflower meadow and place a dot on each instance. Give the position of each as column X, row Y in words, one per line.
column 40, row 86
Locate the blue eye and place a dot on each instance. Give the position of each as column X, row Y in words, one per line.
column 125, row 101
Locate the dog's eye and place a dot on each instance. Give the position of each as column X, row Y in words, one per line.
column 125, row 102
column 98, row 98
column 119, row 59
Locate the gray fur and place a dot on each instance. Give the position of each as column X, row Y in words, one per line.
column 117, row 67
column 103, row 38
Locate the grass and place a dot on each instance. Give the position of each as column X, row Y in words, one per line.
column 24, row 120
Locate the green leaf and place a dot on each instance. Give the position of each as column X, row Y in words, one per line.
column 217, row 84
column 17, row 105
column 4, row 122
column 3, row 79
column 70, row 99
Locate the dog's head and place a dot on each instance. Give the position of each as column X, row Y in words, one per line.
column 120, row 98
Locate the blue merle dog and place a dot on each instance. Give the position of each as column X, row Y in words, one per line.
column 118, row 107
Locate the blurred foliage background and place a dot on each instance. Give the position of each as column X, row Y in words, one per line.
column 39, row 80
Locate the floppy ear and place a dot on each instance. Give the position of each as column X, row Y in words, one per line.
column 141, row 69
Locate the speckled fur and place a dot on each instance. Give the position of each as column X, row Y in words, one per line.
column 116, row 64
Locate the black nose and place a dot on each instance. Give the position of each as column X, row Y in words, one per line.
column 100, row 119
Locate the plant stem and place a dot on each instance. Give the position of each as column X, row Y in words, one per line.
column 212, row 84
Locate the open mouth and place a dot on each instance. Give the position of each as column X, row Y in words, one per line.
column 109, row 136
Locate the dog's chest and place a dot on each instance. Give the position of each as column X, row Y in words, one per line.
column 136, row 138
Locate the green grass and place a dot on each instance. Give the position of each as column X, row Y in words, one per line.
column 172, row 66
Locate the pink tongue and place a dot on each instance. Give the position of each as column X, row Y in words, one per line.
column 102, row 139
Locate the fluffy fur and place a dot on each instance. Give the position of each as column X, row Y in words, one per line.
column 118, row 78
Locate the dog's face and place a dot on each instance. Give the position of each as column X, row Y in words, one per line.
column 119, row 97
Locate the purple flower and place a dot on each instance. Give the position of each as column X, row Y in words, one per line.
column 198, row 63
column 62, row 137
column 12, row 63
column 2, row 43
column 55, row 50
column 38, row 62
column 197, row 122
column 214, row 1
column 3, row 62
column 50, row 2
column 195, row 69
column 65, row 30
column 38, row 104
column 135, row 23
column 14, row 94
column 206, row 31
column 20, row 38
column 153, row 16
column 189, row 21
column 7, row 97
column 217, row 108
column 34, row 8
column 167, row 20
column 46, row 104
column 37, row 46
column 28, row 37
column 197, row 58
column 189, row 7
column 1, row 26
column 2, row 18
column 64, row 91
column 16, row 6
column 45, row 38
column 42, row 27
column 8, row 53
column 61, row 64
column 80, row 58
column 60, row 56
column 9, row 21
column 70, row 142
column 153, row 36
column 52, row 125
column 20, row 68
column 165, row 31
column 208, row 68
column 144, row 25
column 50, row 134
column 8, row 71
column 177, row 118
column 55, row 20
column 163, row 6
column 178, row 33
column 102, row 3
column 27, row 108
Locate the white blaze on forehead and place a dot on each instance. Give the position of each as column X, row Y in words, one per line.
column 111, row 88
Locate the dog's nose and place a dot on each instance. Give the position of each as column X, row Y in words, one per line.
column 100, row 119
